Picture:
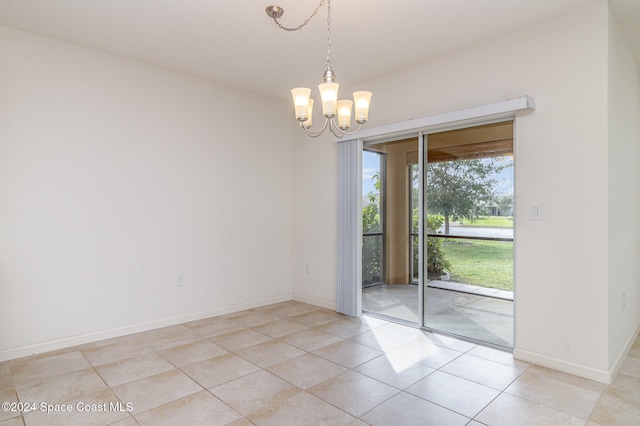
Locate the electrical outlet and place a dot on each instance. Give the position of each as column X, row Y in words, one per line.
column 180, row 280
column 307, row 268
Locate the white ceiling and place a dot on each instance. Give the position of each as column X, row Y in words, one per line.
column 236, row 43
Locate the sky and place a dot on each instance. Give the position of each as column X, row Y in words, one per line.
column 370, row 165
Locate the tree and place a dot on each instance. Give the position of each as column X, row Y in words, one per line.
column 371, row 212
column 462, row 188
column 505, row 204
column 436, row 261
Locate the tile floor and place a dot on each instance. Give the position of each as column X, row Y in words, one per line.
column 293, row 363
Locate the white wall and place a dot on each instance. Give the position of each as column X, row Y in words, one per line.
column 315, row 220
column 561, row 269
column 115, row 177
column 624, row 195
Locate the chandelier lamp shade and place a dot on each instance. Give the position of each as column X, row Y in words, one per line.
column 337, row 113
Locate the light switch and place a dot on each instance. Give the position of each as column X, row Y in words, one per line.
column 535, row 212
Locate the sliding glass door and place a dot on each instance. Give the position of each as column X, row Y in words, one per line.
column 437, row 240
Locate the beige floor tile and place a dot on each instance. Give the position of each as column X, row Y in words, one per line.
column 100, row 408
column 164, row 338
column 394, row 370
column 15, row 421
column 311, row 339
column 269, row 353
column 293, row 309
column 255, row 392
column 556, row 394
column 483, row 371
column 631, row 367
column 129, row 421
column 382, row 339
column 191, row 353
column 131, row 369
column 6, row 381
column 306, row 370
column 218, row 370
column 316, row 318
column 567, row 378
column 65, row 387
column 240, row 339
column 509, row 410
column 280, row 328
column 344, row 328
column 119, row 350
column 613, row 409
column 347, row 392
column 498, row 356
column 8, row 395
column 273, row 306
column 201, row 408
column 302, row 409
column 358, row 422
column 27, row 369
column 400, row 329
column 215, row 326
column 454, row 393
column 253, row 318
column 409, row 410
column 348, row 354
column 625, row 387
column 241, row 422
column 619, row 403
column 426, row 353
column 154, row 391
column 369, row 321
column 447, row 342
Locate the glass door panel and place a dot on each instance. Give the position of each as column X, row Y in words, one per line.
column 468, row 186
column 388, row 288
column 372, row 219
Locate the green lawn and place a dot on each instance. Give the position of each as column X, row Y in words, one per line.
column 488, row 222
column 484, row 263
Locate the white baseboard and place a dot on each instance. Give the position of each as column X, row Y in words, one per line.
column 601, row 376
column 69, row 342
column 315, row 302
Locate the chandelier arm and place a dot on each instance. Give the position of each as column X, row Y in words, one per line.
column 319, row 132
column 299, row 27
column 335, row 128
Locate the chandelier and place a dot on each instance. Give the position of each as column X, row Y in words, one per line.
column 332, row 108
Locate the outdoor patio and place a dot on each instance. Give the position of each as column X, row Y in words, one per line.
column 475, row 312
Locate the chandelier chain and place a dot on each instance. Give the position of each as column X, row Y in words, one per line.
column 304, row 24
column 299, row 27
column 329, row 34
